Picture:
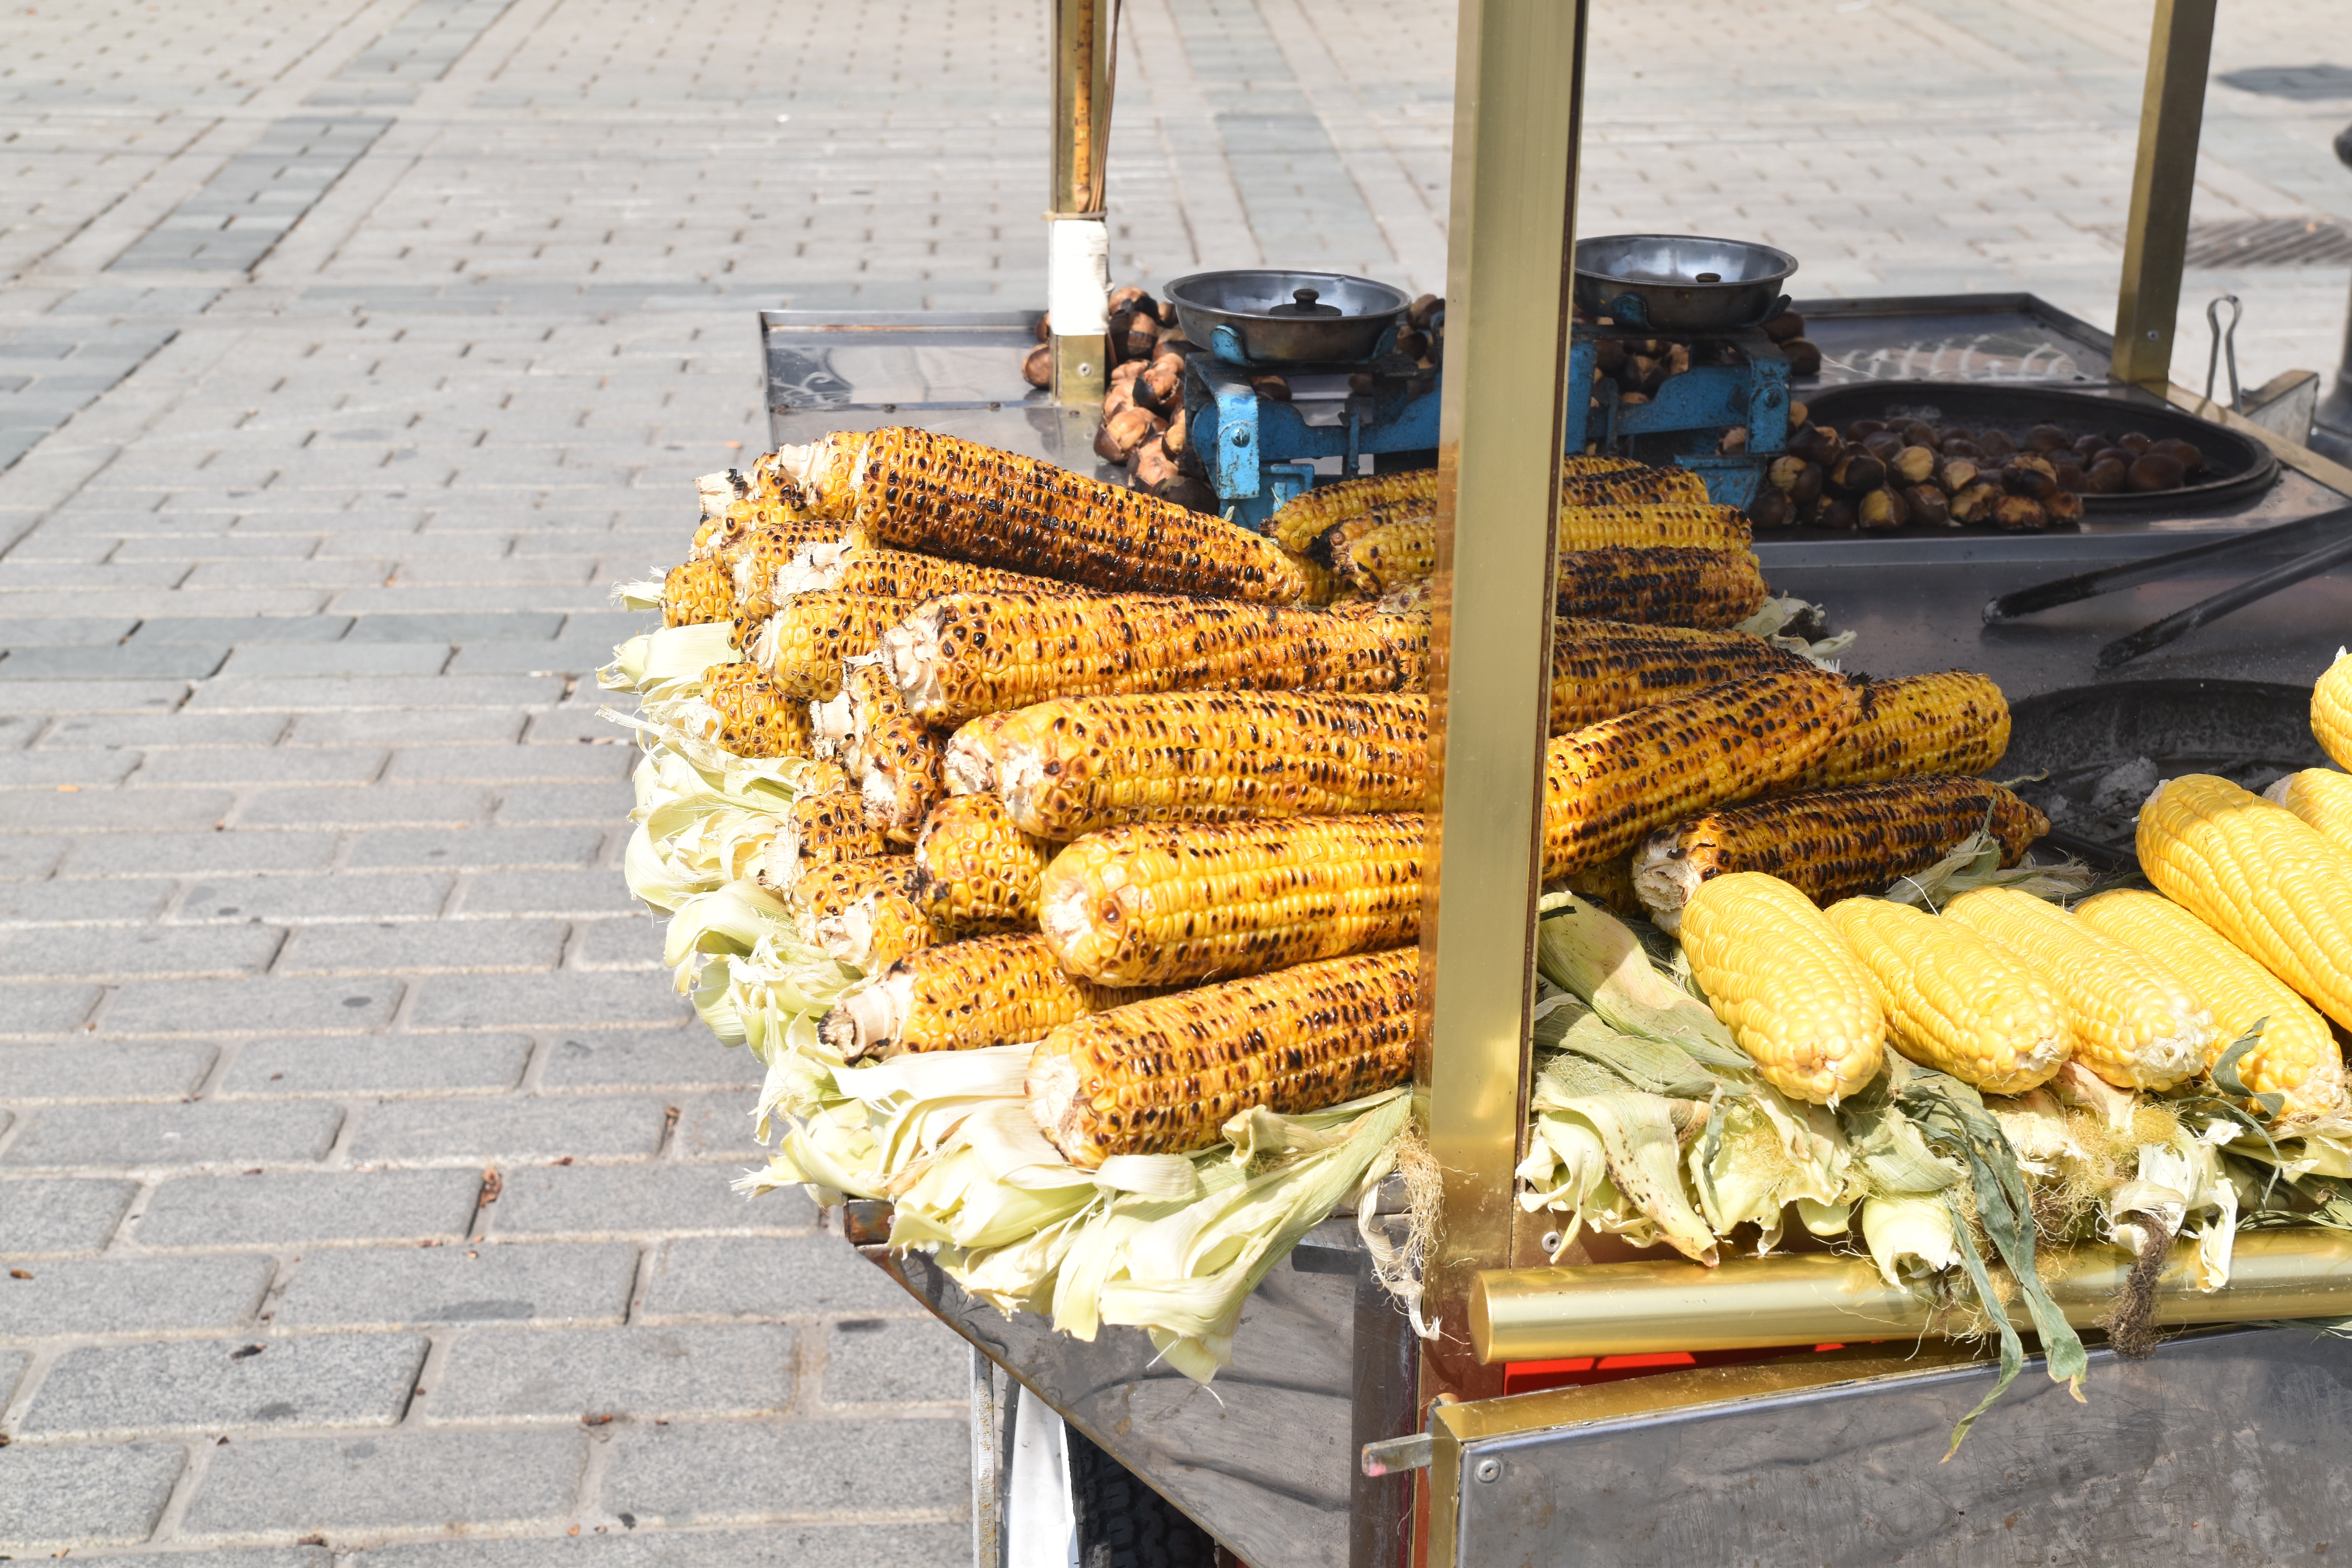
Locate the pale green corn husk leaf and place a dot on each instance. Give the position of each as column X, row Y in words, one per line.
column 728, row 920
column 1763, row 1151
column 688, row 728
column 1583, row 949
column 1910, row 1237
column 2183, row 1185
column 669, row 662
column 1637, row 1133
column 1976, row 863
column 1770, row 622
column 1567, row 1171
column 646, row 594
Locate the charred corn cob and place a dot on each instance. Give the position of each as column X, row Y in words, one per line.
column 1652, row 525
column 903, row 575
column 941, row 495
column 755, row 718
column 875, row 932
column 1157, row 904
column 829, row 728
column 973, row 755
column 2322, row 798
column 1833, row 843
column 1955, row 722
column 2296, row 1057
column 2331, row 712
column 1297, row 521
column 965, row 654
column 1711, row 588
column 803, row 644
column 1792, row 993
column 902, row 777
column 697, row 594
column 1611, row 885
column 977, row 871
column 1383, row 559
column 2134, row 1024
column 962, row 996
column 1602, row 669
column 1323, row 585
column 829, row 889
column 867, row 703
column 1163, row 1076
column 1078, row 764
column 819, row 827
column 819, row 480
column 2259, row 875
column 1608, row 785
column 768, row 554
column 1634, row 484
column 1330, row 547
column 1952, row 1000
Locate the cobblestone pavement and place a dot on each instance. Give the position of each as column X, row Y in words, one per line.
column 364, row 1192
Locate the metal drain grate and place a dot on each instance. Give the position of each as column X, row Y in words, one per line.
column 2270, row 242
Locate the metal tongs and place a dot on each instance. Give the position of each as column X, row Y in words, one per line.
column 2153, row 636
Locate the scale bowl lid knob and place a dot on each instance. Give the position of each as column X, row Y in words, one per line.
column 1304, row 304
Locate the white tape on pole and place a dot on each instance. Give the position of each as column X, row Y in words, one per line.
column 1077, row 276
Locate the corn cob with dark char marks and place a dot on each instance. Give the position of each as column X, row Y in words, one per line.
column 815, row 828
column 1608, row 785
column 756, row 717
column 977, row 873
column 1163, row 1076
column 962, row 996
column 1077, row 764
column 973, row 754
column 1601, row 669
column 868, row 702
column 960, row 656
column 1297, row 521
column 803, row 644
column 1713, row 589
column 1383, row 558
column 902, row 777
column 831, row 888
column 697, row 594
column 763, row 554
column 913, row 490
column 875, row 932
column 1160, row 903
column 903, row 574
column 1955, row 722
column 1831, row 844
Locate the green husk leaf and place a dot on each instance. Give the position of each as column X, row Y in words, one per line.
column 1582, row 948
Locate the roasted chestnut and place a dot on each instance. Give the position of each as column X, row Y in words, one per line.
column 1835, row 511
column 1918, row 433
column 1957, row 475
column 1857, row 472
column 2029, row 476
column 1608, row 355
column 1771, row 509
column 1913, row 464
column 1785, row 325
column 1883, row 445
column 2108, row 476
column 1803, row 358
column 1798, row 413
column 1995, row 443
column 2019, row 514
column 2187, row 455
column 1816, row 443
column 2123, row 455
column 2134, row 442
column 2066, row 506
column 1958, row 447
column 2155, row 471
column 1784, row 471
column 1929, row 506
column 1975, row 503
column 1881, row 511
column 2046, row 438
column 1808, row 487
column 1862, row 429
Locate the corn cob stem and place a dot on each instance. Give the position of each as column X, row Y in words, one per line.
column 1792, row 993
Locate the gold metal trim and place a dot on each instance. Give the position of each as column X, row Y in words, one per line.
column 1086, row 72
column 2164, row 179
column 1081, row 368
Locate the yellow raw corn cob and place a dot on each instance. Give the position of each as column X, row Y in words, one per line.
column 1652, row 525
column 1297, row 521
column 756, row 719
column 962, row 656
column 828, row 889
column 697, row 593
column 1608, row 785
column 902, row 777
column 2296, row 1057
column 1384, row 559
column 977, row 871
column 2320, row 797
column 1077, row 764
column 1955, row 722
column 875, row 932
column 913, row 490
column 963, row 996
column 1163, row 1076
column 803, row 644
column 2331, row 712
column 1793, row 994
column 2134, row 1024
column 818, row 827
column 1829, row 844
column 1952, row 1000
column 1160, row 903
column 2261, row 877
column 1711, row 588
column 1602, row 669
column 973, row 757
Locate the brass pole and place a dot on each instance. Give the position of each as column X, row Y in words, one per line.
column 1518, row 105
column 2164, row 182
column 1085, row 41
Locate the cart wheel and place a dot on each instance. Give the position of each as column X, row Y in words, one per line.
column 1122, row 1523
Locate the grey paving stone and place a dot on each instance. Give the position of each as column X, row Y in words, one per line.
column 376, row 805
column 538, row 1001
column 270, row 1006
column 346, row 658
column 377, row 1064
column 894, row 1361
column 77, row 770
column 39, row 1216
column 482, row 848
column 666, row 1059
column 685, row 1474
column 717, row 1127
column 572, row 655
column 297, row 1206
column 503, row 1374
column 639, row 1200
column 186, row 661
column 549, row 892
column 12, row 1367
column 270, row 766
column 596, row 803
column 199, row 854
column 508, row 764
column 422, row 947
column 241, row 629
column 77, row 1498
column 487, row 625
column 69, row 631
column 452, row 727
column 81, row 733
column 782, row 1545
column 131, row 1294
column 217, row 1386
column 765, row 1278
column 512, row 1128
column 197, row 1133
column 117, row 810
column 82, row 903
column 342, row 694
column 103, row 1069
column 490, row 1479
column 396, row 1287
column 21, row 858
column 46, row 1007
column 369, row 898
column 37, row 952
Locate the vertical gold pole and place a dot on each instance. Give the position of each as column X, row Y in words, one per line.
column 1518, row 96
column 2164, row 181
column 1085, row 35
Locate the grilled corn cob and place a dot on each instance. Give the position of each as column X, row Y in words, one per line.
column 1955, row 722
column 803, row 644
column 697, row 594
column 831, row 888
column 1832, row 843
column 1793, row 994
column 973, row 753
column 968, row 654
column 818, row 827
column 1387, row 557
column 759, row 557
column 2134, row 1024
column 1584, row 480
column 819, row 480
column 2331, row 712
column 2296, row 1057
column 2259, row 875
column 1156, row 904
column 1384, row 558
column 2320, row 797
column 1711, row 588
column 1611, row 885
column 1952, row 1000
column 1297, row 521
column 977, row 871
column 1077, row 764
column 1630, row 484
column 1602, row 669
column 902, row 777
column 1164, row 1075
column 867, row 703
column 1323, row 585
column 1608, row 785
column 962, row 996
column 941, row 495
column 875, row 932
column 756, row 719
column 903, row 575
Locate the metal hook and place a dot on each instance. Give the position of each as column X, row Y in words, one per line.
column 2223, row 341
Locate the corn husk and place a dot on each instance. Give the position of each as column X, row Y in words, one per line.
column 670, row 662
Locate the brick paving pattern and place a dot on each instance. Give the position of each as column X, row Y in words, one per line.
column 364, row 1185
